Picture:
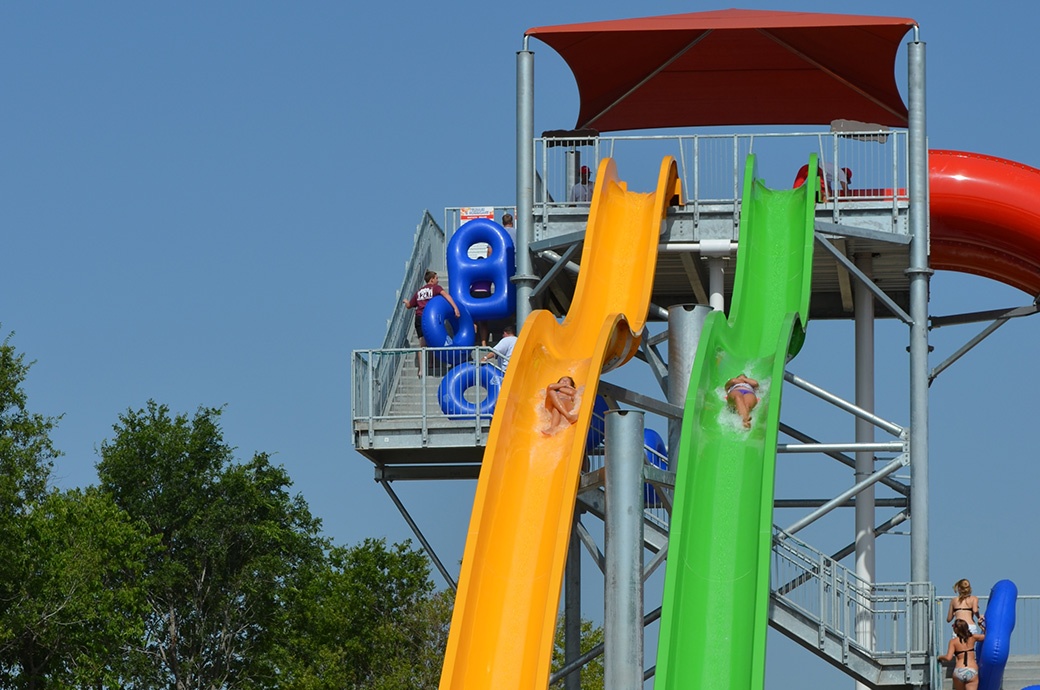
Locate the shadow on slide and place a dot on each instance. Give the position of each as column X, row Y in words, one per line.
column 505, row 613
column 716, row 597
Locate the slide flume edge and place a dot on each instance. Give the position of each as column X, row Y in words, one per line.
column 506, row 606
column 716, row 598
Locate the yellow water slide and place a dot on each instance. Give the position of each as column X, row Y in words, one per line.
column 512, row 569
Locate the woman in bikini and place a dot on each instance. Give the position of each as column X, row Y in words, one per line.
column 962, row 652
column 560, row 401
column 965, row 607
column 741, row 394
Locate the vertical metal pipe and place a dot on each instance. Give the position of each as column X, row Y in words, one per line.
column 919, row 274
column 524, row 278
column 685, row 322
column 716, row 284
column 865, row 553
column 572, row 607
column 623, row 589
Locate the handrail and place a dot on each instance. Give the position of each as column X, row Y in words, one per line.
column 710, row 165
column 898, row 613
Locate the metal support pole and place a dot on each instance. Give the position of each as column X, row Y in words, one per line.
column 525, row 279
column 685, row 322
column 919, row 273
column 865, row 506
column 572, row 607
column 623, row 591
column 716, row 279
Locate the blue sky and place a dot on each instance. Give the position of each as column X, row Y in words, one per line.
column 212, row 204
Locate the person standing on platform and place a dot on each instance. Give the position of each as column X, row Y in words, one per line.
column 961, row 651
column 418, row 302
column 582, row 191
column 503, row 349
column 965, row 606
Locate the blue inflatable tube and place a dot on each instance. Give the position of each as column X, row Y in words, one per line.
column 436, row 318
column 598, row 426
column 451, row 394
column 1000, row 621
column 484, row 272
column 656, row 455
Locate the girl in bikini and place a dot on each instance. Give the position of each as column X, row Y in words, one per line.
column 741, row 394
column 962, row 652
column 560, row 400
column 965, row 607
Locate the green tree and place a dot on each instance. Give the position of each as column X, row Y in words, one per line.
column 234, row 550
column 26, row 458
column 369, row 619
column 68, row 597
column 592, row 672
column 78, row 602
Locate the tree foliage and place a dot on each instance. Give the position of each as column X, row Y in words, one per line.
column 232, row 545
column 592, row 672
column 69, row 596
column 372, row 621
column 186, row 570
column 78, row 601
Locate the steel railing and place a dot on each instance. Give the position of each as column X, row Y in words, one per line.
column 711, row 166
column 1025, row 639
column 883, row 619
column 427, row 252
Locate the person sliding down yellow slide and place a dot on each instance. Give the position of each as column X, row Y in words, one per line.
column 512, row 570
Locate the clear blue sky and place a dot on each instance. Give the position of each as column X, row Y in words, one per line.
column 212, row 204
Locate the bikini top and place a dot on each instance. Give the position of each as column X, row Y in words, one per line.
column 967, row 609
column 965, row 652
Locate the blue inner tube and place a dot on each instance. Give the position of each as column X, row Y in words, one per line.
column 452, row 392
column 598, row 425
column 436, row 318
column 1000, row 621
column 658, row 458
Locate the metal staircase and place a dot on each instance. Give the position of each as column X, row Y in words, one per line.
column 880, row 634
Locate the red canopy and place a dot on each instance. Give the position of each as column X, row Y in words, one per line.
column 733, row 67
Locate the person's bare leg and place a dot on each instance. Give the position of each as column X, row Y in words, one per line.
column 554, row 421
column 751, row 401
column 741, row 405
column 419, row 358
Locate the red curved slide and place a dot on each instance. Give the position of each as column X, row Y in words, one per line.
column 985, row 217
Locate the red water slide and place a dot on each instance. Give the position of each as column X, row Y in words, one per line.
column 985, row 214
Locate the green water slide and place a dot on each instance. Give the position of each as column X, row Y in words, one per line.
column 716, row 596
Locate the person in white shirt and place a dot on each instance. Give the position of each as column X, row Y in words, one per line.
column 582, row 191
column 503, row 348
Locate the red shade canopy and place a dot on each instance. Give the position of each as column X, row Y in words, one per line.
column 733, row 67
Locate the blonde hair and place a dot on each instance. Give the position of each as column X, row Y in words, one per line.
column 962, row 587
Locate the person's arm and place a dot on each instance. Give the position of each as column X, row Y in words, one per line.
column 751, row 381
column 444, row 293
column 410, row 303
column 948, row 657
column 949, row 612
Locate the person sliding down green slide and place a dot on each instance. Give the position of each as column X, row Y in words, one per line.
column 716, row 596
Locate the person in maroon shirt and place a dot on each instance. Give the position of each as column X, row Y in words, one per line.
column 418, row 302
